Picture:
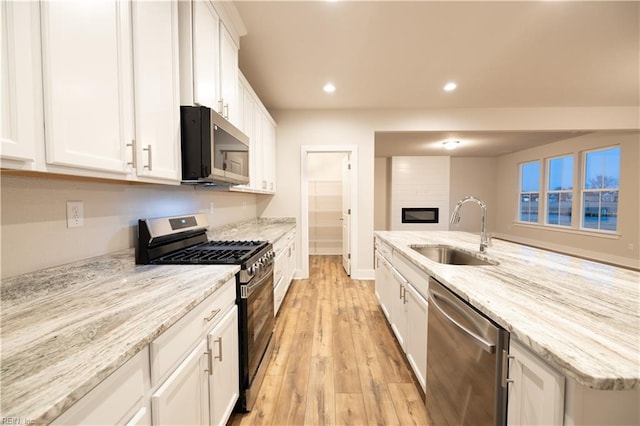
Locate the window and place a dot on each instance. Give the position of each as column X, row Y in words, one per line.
column 600, row 189
column 559, row 190
column 529, row 191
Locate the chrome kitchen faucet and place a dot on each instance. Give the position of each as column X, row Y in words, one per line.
column 485, row 238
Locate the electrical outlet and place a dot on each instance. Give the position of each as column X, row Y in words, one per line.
column 75, row 214
column 211, row 208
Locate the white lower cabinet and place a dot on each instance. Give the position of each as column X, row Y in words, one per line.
column 416, row 338
column 119, row 399
column 224, row 374
column 183, row 397
column 399, row 309
column 398, row 291
column 383, row 285
column 283, row 269
column 536, row 393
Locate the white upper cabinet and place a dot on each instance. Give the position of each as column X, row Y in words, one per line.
column 88, row 102
column 205, row 54
column 269, row 154
column 228, row 101
column 21, row 129
column 208, row 59
column 157, row 89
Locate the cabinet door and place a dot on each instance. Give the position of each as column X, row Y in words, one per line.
column 225, row 377
column 269, row 154
column 88, row 94
column 399, row 307
column 260, row 181
column 416, row 341
column 228, row 76
column 21, row 130
column 206, row 43
column 536, row 395
column 384, row 282
column 157, row 98
column 183, row 397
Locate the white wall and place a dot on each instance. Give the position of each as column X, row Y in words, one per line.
column 329, row 127
column 420, row 182
column 34, row 233
column 474, row 176
column 621, row 249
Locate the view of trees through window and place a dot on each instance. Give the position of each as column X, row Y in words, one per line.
column 599, row 192
column 529, row 191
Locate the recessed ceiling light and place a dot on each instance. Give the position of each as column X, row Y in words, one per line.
column 329, row 88
column 452, row 144
column 450, row 86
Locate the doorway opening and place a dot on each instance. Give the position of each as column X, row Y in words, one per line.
column 327, row 203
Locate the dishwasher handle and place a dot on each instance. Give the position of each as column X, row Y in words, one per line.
column 434, row 298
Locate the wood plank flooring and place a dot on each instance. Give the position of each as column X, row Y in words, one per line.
column 336, row 360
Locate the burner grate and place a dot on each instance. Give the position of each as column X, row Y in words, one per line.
column 215, row 252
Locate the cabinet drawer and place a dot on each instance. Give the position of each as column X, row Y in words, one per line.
column 280, row 245
column 116, row 400
column 418, row 279
column 172, row 345
column 384, row 249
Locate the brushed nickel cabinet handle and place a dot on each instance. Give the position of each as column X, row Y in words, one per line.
column 133, row 153
column 209, row 362
column 149, row 156
column 212, row 315
column 219, row 356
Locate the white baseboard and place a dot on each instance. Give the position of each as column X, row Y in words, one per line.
column 364, row 274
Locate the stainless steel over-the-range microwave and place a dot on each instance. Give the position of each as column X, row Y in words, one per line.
column 213, row 150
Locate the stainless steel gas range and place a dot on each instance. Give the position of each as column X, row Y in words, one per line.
column 183, row 240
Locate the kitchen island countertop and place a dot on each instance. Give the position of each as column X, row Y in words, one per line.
column 582, row 317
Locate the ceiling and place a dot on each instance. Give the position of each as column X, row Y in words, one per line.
column 399, row 54
column 472, row 144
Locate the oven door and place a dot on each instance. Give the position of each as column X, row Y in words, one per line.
column 260, row 318
column 256, row 324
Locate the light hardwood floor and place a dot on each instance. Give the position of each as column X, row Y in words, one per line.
column 336, row 360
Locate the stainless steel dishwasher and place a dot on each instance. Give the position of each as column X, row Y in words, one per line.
column 466, row 363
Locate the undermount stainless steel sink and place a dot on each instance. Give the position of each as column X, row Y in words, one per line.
column 451, row 256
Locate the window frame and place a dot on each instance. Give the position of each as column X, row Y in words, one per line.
column 520, row 192
column 547, row 191
column 583, row 173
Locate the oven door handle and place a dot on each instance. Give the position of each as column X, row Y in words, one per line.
column 434, row 298
column 246, row 290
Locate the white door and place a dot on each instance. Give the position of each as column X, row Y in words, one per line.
column 536, row 396
column 205, row 54
column 223, row 380
column 20, row 121
column 157, row 99
column 88, row 93
column 183, row 397
column 346, row 214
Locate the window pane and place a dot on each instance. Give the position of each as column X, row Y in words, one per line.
column 603, row 169
column 530, row 175
column 559, row 208
column 600, row 210
column 560, row 174
column 529, row 207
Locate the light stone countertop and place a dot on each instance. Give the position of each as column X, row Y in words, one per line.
column 269, row 229
column 65, row 329
column 582, row 317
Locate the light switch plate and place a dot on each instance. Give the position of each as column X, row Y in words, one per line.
column 75, row 214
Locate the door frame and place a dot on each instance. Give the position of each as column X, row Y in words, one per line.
column 352, row 150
